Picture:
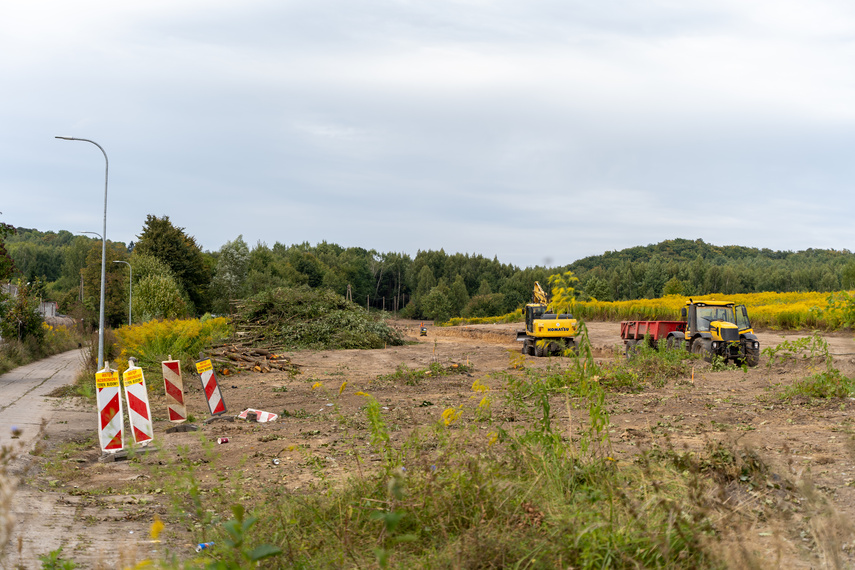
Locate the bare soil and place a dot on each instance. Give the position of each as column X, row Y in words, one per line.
column 319, row 434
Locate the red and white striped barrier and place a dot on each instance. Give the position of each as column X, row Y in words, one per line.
column 139, row 411
column 258, row 415
column 111, row 424
column 174, row 386
column 216, row 404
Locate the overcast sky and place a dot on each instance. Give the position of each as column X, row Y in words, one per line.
column 537, row 131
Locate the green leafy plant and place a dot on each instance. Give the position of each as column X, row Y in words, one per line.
column 53, row 560
column 414, row 376
column 237, row 536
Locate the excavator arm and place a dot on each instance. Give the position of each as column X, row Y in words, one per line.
column 540, row 295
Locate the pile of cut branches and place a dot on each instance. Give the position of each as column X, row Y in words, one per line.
column 301, row 317
column 238, row 358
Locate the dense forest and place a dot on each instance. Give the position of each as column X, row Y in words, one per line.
column 173, row 277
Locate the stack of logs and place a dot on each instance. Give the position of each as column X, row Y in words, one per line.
column 238, row 358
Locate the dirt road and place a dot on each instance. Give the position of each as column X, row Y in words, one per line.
column 92, row 533
column 22, row 396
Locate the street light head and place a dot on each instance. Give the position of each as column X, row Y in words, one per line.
column 66, row 138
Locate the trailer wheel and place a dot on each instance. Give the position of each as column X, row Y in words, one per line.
column 631, row 348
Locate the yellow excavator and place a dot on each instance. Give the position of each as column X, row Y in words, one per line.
column 545, row 332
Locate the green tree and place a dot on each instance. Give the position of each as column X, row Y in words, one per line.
column 157, row 292
column 229, row 281
column 490, row 305
column 484, row 288
column 159, row 296
column 310, row 269
column 116, row 290
column 847, row 276
column 458, row 296
column 674, row 287
column 19, row 314
column 7, row 266
column 436, row 305
column 598, row 289
column 426, row 281
column 180, row 252
column 268, row 269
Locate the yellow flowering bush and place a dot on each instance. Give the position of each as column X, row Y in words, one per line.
column 183, row 339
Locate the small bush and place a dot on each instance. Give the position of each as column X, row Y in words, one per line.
column 153, row 342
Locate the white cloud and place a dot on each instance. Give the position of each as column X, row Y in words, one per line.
column 458, row 124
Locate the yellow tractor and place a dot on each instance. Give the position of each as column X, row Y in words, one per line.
column 545, row 332
column 720, row 328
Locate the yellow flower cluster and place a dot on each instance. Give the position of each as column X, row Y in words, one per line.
column 768, row 310
column 156, row 340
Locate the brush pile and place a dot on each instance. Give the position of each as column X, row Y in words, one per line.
column 301, row 317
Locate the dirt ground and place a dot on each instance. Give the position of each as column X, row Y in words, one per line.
column 308, row 442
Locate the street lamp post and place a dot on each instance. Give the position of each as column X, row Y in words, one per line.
column 103, row 252
column 130, row 287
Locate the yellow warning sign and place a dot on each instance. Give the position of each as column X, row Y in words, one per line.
column 204, row 366
column 132, row 376
column 107, row 379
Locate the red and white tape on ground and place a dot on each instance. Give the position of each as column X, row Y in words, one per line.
column 216, row 404
column 111, row 423
column 174, row 386
column 259, row 415
column 139, row 411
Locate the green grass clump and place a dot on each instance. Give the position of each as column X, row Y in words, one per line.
column 413, row 376
column 830, row 383
column 655, row 365
column 825, row 382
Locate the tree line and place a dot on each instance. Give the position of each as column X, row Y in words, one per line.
column 173, row 277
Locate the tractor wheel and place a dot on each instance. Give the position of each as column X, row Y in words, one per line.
column 752, row 356
column 699, row 348
column 538, row 349
column 674, row 343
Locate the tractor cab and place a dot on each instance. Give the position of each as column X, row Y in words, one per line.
column 720, row 328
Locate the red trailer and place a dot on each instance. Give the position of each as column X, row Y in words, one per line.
column 635, row 333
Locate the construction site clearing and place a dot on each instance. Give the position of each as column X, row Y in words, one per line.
column 320, row 435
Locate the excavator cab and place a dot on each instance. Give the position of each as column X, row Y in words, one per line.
column 533, row 311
